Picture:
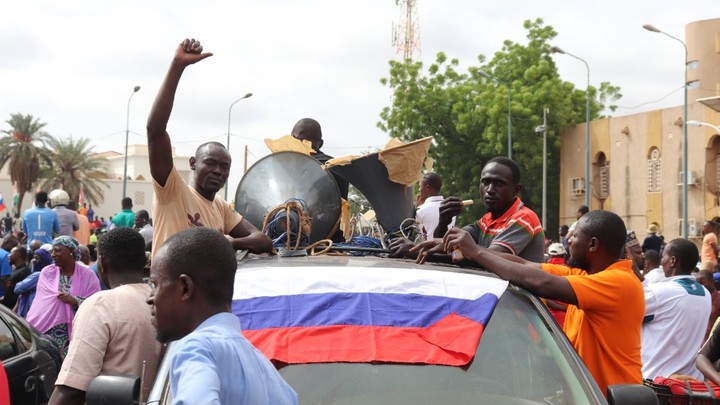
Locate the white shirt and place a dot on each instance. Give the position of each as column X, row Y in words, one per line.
column 428, row 215
column 147, row 233
column 676, row 316
column 654, row 276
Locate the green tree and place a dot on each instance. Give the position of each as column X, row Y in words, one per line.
column 23, row 147
column 466, row 113
column 72, row 164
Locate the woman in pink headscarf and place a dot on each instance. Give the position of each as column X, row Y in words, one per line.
column 61, row 288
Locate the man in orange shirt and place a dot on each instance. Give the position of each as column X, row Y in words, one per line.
column 606, row 300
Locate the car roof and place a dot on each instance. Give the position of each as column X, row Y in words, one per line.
column 325, row 260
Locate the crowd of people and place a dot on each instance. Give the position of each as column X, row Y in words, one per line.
column 632, row 310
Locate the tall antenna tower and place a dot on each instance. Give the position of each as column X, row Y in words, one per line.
column 406, row 35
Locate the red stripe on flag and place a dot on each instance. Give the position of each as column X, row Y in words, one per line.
column 452, row 341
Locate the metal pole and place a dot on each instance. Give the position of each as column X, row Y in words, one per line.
column 127, row 133
column 228, row 133
column 685, row 138
column 509, row 124
column 588, row 182
column 544, row 180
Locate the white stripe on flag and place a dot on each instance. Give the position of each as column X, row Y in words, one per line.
column 267, row 282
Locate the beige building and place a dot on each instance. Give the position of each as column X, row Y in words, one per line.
column 636, row 160
column 138, row 186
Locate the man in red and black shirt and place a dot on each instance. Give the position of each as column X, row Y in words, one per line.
column 509, row 226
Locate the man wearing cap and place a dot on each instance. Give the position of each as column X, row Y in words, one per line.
column 556, row 251
column 652, row 240
column 634, row 253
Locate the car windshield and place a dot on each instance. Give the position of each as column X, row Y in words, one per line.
column 519, row 360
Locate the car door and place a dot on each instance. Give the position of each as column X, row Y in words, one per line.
column 19, row 364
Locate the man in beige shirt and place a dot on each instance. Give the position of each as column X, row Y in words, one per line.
column 178, row 206
column 112, row 330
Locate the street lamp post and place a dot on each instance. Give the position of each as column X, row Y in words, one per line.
column 248, row 95
column 588, row 182
column 543, row 128
column 509, row 113
column 127, row 133
column 685, row 138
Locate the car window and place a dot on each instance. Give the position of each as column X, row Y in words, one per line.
column 519, row 359
column 23, row 333
column 8, row 348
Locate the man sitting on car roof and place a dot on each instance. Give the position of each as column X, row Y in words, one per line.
column 508, row 227
column 606, row 300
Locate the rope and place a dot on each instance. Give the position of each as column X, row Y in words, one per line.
column 311, row 249
column 296, row 226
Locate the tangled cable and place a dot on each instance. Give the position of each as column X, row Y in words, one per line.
column 288, row 224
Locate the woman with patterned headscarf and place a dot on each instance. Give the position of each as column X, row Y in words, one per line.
column 61, row 288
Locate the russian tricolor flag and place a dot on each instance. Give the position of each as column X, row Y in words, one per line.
column 335, row 314
column 2, row 203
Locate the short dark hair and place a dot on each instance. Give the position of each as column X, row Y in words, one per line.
column 686, row 253
column 126, row 202
column 41, row 197
column 653, row 256
column 21, row 250
column 143, row 214
column 207, row 144
column 433, row 180
column 584, row 209
column 206, row 256
column 124, row 249
column 510, row 164
column 608, row 228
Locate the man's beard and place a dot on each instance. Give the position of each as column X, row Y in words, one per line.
column 577, row 264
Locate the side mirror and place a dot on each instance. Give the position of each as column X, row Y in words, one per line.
column 635, row 394
column 113, row 390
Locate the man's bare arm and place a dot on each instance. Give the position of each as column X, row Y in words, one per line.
column 159, row 147
column 247, row 236
column 518, row 271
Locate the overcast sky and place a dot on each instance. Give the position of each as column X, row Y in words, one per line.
column 74, row 64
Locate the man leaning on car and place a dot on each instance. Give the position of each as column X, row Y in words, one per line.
column 606, row 300
column 508, row 227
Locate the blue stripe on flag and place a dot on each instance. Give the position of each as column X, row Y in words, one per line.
column 361, row 309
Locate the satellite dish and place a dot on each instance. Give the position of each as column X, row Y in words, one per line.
column 281, row 176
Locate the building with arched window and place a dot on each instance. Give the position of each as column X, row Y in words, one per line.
column 636, row 160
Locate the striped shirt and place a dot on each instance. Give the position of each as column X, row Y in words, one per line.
column 518, row 230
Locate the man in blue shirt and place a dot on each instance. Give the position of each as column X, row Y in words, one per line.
column 192, row 276
column 40, row 222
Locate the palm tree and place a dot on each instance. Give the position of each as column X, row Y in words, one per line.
column 24, row 147
column 72, row 164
